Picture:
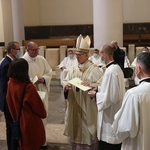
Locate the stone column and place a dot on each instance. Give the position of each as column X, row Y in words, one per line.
column 1, row 24
column 18, row 21
column 107, row 22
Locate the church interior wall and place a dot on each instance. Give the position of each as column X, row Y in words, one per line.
column 1, row 25
column 43, row 19
column 69, row 17
column 6, row 21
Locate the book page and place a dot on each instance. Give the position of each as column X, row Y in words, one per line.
column 34, row 79
column 77, row 82
column 41, row 94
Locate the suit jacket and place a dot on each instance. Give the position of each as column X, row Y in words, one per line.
column 3, row 81
column 119, row 56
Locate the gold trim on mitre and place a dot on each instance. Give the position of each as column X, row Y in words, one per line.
column 83, row 44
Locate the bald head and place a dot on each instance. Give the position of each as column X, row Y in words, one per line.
column 30, row 44
column 32, row 49
column 107, row 53
column 108, row 50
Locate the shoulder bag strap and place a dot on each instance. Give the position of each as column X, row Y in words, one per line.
column 22, row 101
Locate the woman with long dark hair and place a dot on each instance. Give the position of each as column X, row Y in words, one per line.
column 31, row 126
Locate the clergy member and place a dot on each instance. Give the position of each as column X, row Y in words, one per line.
column 96, row 58
column 136, row 79
column 109, row 99
column 81, row 112
column 132, row 122
column 66, row 64
column 39, row 71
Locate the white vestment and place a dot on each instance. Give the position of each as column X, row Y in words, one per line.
column 67, row 63
column 39, row 67
column 81, row 112
column 132, row 121
column 109, row 99
column 97, row 60
column 136, row 79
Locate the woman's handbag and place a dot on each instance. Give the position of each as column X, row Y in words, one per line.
column 16, row 133
column 128, row 71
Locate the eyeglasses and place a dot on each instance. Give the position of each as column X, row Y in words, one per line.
column 36, row 49
column 17, row 49
column 78, row 55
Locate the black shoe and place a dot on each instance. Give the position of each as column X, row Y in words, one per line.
column 45, row 147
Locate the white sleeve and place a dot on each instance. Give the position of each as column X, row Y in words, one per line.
column 126, row 120
column 109, row 92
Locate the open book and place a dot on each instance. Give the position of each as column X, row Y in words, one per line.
column 77, row 82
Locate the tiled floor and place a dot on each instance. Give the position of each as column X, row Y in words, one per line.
column 54, row 129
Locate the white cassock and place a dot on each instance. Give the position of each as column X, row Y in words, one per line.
column 136, row 79
column 109, row 99
column 97, row 60
column 132, row 121
column 67, row 63
column 81, row 112
column 39, row 67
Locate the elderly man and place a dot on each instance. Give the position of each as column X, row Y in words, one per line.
column 132, row 121
column 119, row 54
column 39, row 71
column 96, row 58
column 81, row 112
column 136, row 79
column 66, row 64
column 13, row 51
column 109, row 99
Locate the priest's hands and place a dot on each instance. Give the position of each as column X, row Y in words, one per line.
column 67, row 87
column 92, row 94
column 62, row 68
column 40, row 80
column 86, row 83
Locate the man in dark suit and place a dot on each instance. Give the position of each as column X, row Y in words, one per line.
column 13, row 50
column 119, row 54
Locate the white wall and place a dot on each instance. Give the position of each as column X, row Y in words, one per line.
column 1, row 25
column 58, row 12
column 31, row 12
column 67, row 12
column 7, row 20
column 136, row 11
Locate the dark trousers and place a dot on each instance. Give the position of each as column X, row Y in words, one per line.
column 9, row 121
column 106, row 146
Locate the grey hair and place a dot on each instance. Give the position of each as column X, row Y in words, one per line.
column 144, row 60
column 114, row 42
column 11, row 45
column 30, row 44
